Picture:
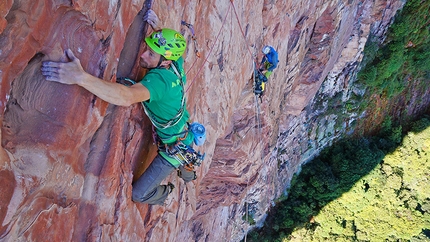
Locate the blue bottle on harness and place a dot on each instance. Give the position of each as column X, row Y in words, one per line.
column 199, row 132
column 185, row 154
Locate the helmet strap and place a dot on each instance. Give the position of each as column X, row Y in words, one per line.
column 160, row 61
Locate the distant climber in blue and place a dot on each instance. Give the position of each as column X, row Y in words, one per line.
column 268, row 64
column 269, row 61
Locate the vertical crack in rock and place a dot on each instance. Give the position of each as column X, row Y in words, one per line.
column 275, row 30
column 316, row 57
column 118, row 199
column 105, row 44
column 295, row 34
column 147, row 218
column 151, row 224
column 100, row 143
column 220, row 59
column 247, row 29
column 97, row 160
column 118, row 7
column 128, row 60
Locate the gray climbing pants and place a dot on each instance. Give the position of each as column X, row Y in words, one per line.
column 147, row 188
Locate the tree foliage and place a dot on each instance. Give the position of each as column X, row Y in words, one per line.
column 403, row 56
column 359, row 190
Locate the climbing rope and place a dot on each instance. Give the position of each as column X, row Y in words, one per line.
column 216, row 40
column 257, row 106
column 257, row 111
column 241, row 29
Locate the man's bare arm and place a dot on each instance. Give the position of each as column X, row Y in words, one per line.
column 73, row 73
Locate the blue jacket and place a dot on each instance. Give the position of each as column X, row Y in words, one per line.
column 271, row 58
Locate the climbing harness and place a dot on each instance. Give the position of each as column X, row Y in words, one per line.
column 193, row 37
column 257, row 105
column 268, row 63
column 259, row 83
column 184, row 154
column 197, row 129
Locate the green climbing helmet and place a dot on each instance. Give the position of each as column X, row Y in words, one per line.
column 168, row 43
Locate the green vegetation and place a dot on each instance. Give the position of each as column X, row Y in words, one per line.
column 391, row 203
column 249, row 218
column 359, row 190
column 394, row 72
column 404, row 55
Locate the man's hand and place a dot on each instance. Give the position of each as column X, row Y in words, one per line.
column 152, row 19
column 71, row 72
column 68, row 73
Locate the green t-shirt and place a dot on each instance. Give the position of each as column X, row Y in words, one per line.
column 165, row 102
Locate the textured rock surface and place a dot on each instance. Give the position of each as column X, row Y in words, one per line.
column 68, row 159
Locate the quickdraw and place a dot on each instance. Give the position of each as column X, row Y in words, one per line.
column 193, row 37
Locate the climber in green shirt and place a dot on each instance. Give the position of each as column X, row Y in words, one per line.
column 163, row 96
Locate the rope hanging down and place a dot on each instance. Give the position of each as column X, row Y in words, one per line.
column 241, row 30
column 257, row 106
column 216, row 40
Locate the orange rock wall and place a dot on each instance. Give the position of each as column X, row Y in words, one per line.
column 68, row 158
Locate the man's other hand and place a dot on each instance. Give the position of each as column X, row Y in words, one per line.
column 152, row 19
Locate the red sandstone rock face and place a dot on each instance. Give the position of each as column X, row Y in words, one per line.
column 68, row 159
